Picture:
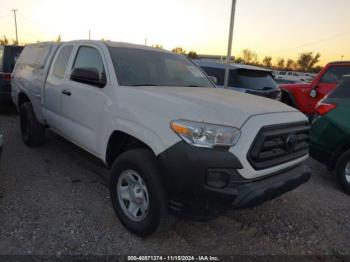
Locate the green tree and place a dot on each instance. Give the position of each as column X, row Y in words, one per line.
column 280, row 63
column 290, row 65
column 4, row 41
column 239, row 60
column 179, row 50
column 192, row 55
column 306, row 61
column 249, row 56
column 58, row 39
column 267, row 61
column 158, row 46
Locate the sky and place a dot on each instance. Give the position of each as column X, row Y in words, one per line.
column 277, row 28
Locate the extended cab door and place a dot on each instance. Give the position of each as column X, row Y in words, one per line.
column 54, row 84
column 84, row 98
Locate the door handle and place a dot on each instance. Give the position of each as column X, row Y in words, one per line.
column 66, row 92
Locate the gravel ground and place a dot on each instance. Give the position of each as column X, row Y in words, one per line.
column 55, row 202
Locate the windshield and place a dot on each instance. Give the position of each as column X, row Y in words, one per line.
column 140, row 67
column 343, row 90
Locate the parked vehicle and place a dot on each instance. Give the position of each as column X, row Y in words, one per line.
column 306, row 96
column 281, row 81
column 1, row 180
column 330, row 133
column 8, row 56
column 243, row 78
column 175, row 143
column 292, row 76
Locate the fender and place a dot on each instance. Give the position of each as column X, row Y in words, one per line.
column 34, row 98
column 142, row 133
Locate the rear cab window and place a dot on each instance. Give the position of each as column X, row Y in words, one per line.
column 252, row 79
column 61, row 61
column 243, row 78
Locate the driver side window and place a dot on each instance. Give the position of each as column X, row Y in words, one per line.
column 89, row 63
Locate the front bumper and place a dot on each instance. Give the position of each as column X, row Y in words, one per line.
column 185, row 172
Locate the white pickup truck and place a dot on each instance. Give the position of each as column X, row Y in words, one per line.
column 175, row 144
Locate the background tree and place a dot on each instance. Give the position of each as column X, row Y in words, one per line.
column 239, row 60
column 192, row 55
column 249, row 56
column 280, row 63
column 306, row 61
column 158, row 46
column 179, row 50
column 291, row 65
column 4, row 41
column 58, row 39
column 267, row 61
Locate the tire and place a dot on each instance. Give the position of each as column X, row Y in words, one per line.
column 343, row 171
column 139, row 163
column 33, row 133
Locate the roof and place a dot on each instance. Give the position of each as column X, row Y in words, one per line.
column 121, row 44
column 222, row 65
column 340, row 62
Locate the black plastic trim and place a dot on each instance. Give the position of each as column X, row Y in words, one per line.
column 279, row 130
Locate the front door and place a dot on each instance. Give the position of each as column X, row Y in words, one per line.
column 83, row 104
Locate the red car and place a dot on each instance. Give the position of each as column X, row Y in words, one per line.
column 305, row 96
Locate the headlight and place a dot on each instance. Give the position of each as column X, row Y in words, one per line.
column 205, row 135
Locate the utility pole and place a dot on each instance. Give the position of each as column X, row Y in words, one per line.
column 89, row 34
column 14, row 14
column 145, row 41
column 229, row 49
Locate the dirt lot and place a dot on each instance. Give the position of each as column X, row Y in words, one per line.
column 55, row 202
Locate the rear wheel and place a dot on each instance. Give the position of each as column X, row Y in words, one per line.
column 343, row 171
column 137, row 193
column 33, row 133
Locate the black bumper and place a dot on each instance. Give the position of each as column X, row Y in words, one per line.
column 253, row 193
column 185, row 172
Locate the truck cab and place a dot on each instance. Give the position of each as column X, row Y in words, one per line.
column 305, row 96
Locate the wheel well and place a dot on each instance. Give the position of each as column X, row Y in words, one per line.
column 338, row 154
column 287, row 98
column 22, row 98
column 120, row 142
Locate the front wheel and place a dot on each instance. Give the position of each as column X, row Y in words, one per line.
column 137, row 193
column 343, row 171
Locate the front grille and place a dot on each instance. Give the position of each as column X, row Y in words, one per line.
column 278, row 144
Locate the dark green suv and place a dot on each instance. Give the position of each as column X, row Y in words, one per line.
column 330, row 132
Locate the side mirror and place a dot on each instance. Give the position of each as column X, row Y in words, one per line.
column 89, row 76
column 313, row 93
column 213, row 79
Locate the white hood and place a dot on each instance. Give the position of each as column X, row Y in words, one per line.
column 212, row 105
